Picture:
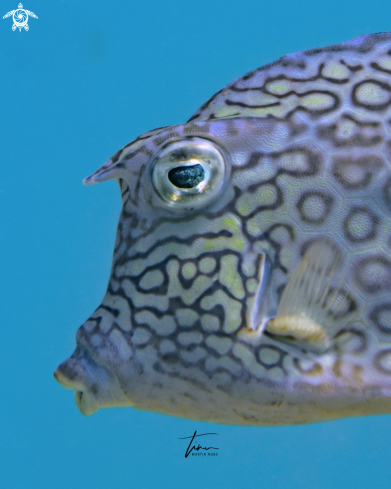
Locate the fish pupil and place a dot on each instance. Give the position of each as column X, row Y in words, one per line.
column 186, row 176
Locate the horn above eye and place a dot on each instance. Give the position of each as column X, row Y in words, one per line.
column 189, row 173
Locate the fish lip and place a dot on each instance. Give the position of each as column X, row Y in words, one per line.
column 78, row 399
column 80, row 390
column 85, row 406
column 84, row 399
column 67, row 382
column 95, row 385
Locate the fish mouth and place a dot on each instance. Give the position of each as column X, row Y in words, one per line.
column 95, row 387
column 82, row 400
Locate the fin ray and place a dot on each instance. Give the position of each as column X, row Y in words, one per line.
column 312, row 300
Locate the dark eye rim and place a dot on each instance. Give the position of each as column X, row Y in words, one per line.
column 188, row 176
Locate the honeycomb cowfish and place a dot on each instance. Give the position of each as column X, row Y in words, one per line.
column 251, row 278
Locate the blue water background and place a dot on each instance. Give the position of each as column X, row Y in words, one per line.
column 86, row 79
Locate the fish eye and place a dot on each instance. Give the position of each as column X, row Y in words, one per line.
column 188, row 174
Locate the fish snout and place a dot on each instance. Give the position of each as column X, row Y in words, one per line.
column 94, row 385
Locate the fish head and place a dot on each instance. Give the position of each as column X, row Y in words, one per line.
column 184, row 264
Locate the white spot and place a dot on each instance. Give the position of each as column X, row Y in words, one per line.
column 360, row 225
column 141, row 336
column 246, row 356
column 335, row 70
column 151, row 279
column 96, row 340
column 314, row 208
column 385, row 62
column 186, row 317
column 193, row 356
column 279, row 87
column 167, row 346
column 207, row 265
column 230, row 277
column 120, row 344
column 209, row 322
column 227, row 363
column 317, row 101
column 275, row 374
column 106, row 319
column 372, row 94
column 189, row 270
column 232, row 308
column 251, row 285
column 163, row 326
column 247, row 203
column 269, row 356
column 186, row 339
column 219, row 344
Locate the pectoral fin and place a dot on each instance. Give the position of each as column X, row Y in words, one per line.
column 312, row 300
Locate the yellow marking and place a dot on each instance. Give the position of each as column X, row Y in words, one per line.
column 229, row 276
column 232, row 308
column 279, row 87
column 308, row 367
column 337, row 366
column 357, row 371
column 317, row 101
column 261, row 221
column 335, row 70
column 385, row 62
column 238, row 244
column 231, row 224
column 189, row 270
column 251, row 285
column 263, row 196
column 370, row 93
column 245, row 205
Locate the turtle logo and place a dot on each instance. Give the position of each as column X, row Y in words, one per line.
column 20, row 17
